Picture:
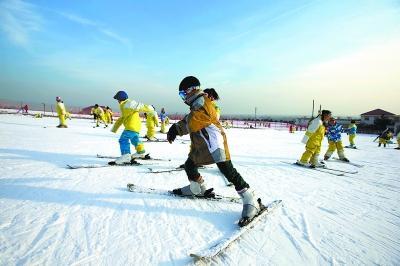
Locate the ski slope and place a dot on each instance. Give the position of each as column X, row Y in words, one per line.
column 51, row 215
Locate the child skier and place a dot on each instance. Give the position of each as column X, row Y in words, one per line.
column 100, row 118
column 352, row 131
column 151, row 124
column 385, row 137
column 164, row 120
column 130, row 119
column 208, row 146
column 94, row 115
column 214, row 97
column 60, row 109
column 108, row 115
column 334, row 135
column 313, row 140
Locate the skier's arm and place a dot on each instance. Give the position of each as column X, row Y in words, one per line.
column 117, row 124
column 182, row 127
column 312, row 127
column 140, row 107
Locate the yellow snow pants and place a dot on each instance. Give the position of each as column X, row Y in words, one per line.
column 351, row 139
column 62, row 120
column 311, row 154
column 332, row 148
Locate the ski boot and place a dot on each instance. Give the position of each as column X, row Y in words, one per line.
column 302, row 163
column 138, row 155
column 195, row 188
column 315, row 163
column 251, row 206
column 123, row 159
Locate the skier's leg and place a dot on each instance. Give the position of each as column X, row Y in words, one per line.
column 197, row 185
column 351, row 139
column 124, row 144
column 162, row 127
column 340, row 151
column 250, row 205
column 62, row 121
column 330, row 151
column 125, row 148
column 305, row 157
column 232, row 175
column 139, row 146
column 314, row 158
column 380, row 142
column 150, row 132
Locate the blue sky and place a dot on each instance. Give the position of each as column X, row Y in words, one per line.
column 276, row 55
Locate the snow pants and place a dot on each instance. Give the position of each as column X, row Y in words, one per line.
column 108, row 118
column 351, row 139
column 311, row 154
column 62, row 120
column 226, row 168
column 163, row 129
column 332, row 148
column 132, row 137
column 100, row 119
column 151, row 131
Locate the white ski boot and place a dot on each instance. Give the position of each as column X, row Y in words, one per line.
column 123, row 159
column 302, row 164
column 342, row 157
column 315, row 163
column 251, row 206
column 138, row 155
column 195, row 189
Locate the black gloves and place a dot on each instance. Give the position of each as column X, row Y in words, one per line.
column 172, row 132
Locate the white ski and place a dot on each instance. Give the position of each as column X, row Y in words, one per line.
column 323, row 170
column 350, row 163
column 140, row 189
column 213, row 251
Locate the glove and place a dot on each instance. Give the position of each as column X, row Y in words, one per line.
column 172, row 132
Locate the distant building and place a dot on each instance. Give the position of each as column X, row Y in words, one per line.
column 369, row 118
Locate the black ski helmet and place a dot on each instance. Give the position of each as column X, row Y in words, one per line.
column 325, row 112
column 188, row 82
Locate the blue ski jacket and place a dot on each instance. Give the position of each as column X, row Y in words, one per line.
column 334, row 133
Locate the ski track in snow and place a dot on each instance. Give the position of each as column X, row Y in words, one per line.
column 51, row 215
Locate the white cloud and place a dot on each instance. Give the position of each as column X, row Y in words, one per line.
column 100, row 27
column 79, row 19
column 18, row 20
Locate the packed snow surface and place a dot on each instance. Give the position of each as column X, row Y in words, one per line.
column 51, row 215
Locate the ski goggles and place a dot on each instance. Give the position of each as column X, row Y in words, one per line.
column 184, row 94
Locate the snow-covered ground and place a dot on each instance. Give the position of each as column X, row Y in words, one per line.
column 52, row 215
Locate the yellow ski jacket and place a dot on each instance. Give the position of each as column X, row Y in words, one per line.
column 315, row 132
column 60, row 109
column 130, row 115
column 152, row 119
